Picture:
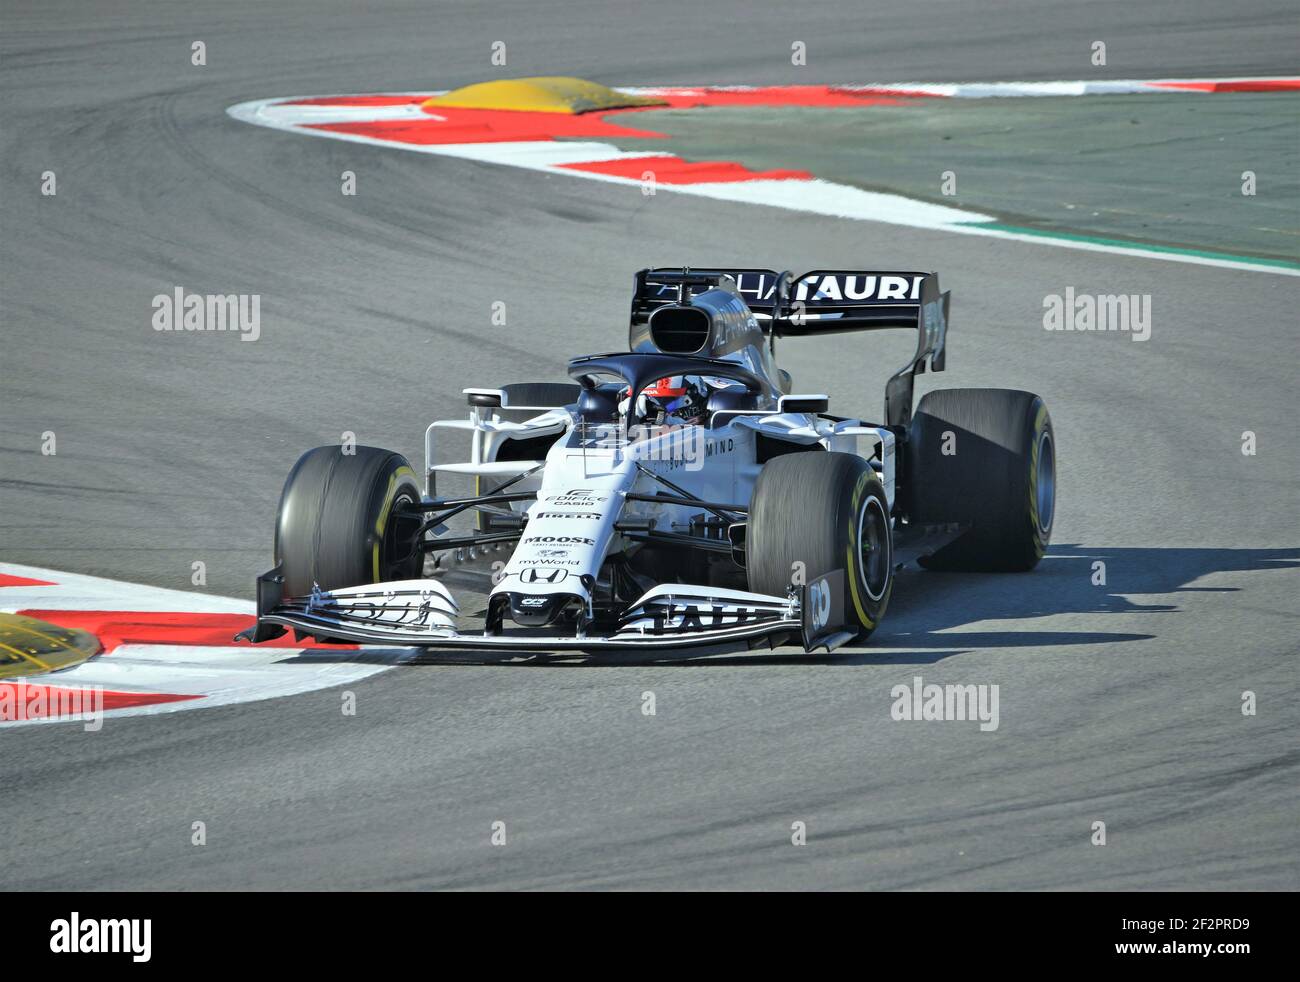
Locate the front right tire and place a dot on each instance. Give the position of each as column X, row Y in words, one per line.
column 825, row 511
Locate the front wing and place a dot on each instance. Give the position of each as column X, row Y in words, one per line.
column 423, row 613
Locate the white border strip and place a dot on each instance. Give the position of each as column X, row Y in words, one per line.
column 222, row 675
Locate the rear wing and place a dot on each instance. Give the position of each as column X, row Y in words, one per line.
column 823, row 301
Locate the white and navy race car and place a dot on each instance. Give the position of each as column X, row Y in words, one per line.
column 677, row 494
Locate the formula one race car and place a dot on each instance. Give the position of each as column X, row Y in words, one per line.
column 676, row 494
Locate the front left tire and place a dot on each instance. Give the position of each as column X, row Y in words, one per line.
column 342, row 520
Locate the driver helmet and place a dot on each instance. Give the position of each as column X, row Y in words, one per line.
column 676, row 398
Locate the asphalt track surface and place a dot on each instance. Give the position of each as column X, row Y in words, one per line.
column 1119, row 703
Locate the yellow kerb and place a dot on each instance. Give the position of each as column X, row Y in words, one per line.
column 544, row 94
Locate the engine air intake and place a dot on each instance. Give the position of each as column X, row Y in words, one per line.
column 679, row 330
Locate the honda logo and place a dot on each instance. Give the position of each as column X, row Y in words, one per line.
column 543, row 575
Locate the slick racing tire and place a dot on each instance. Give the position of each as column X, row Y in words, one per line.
column 341, row 521
column 827, row 511
column 985, row 458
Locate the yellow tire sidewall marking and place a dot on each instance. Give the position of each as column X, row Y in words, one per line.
column 853, row 557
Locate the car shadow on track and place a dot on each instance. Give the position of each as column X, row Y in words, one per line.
column 928, row 609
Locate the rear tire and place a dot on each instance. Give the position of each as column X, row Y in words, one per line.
column 827, row 511
column 340, row 520
column 999, row 476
